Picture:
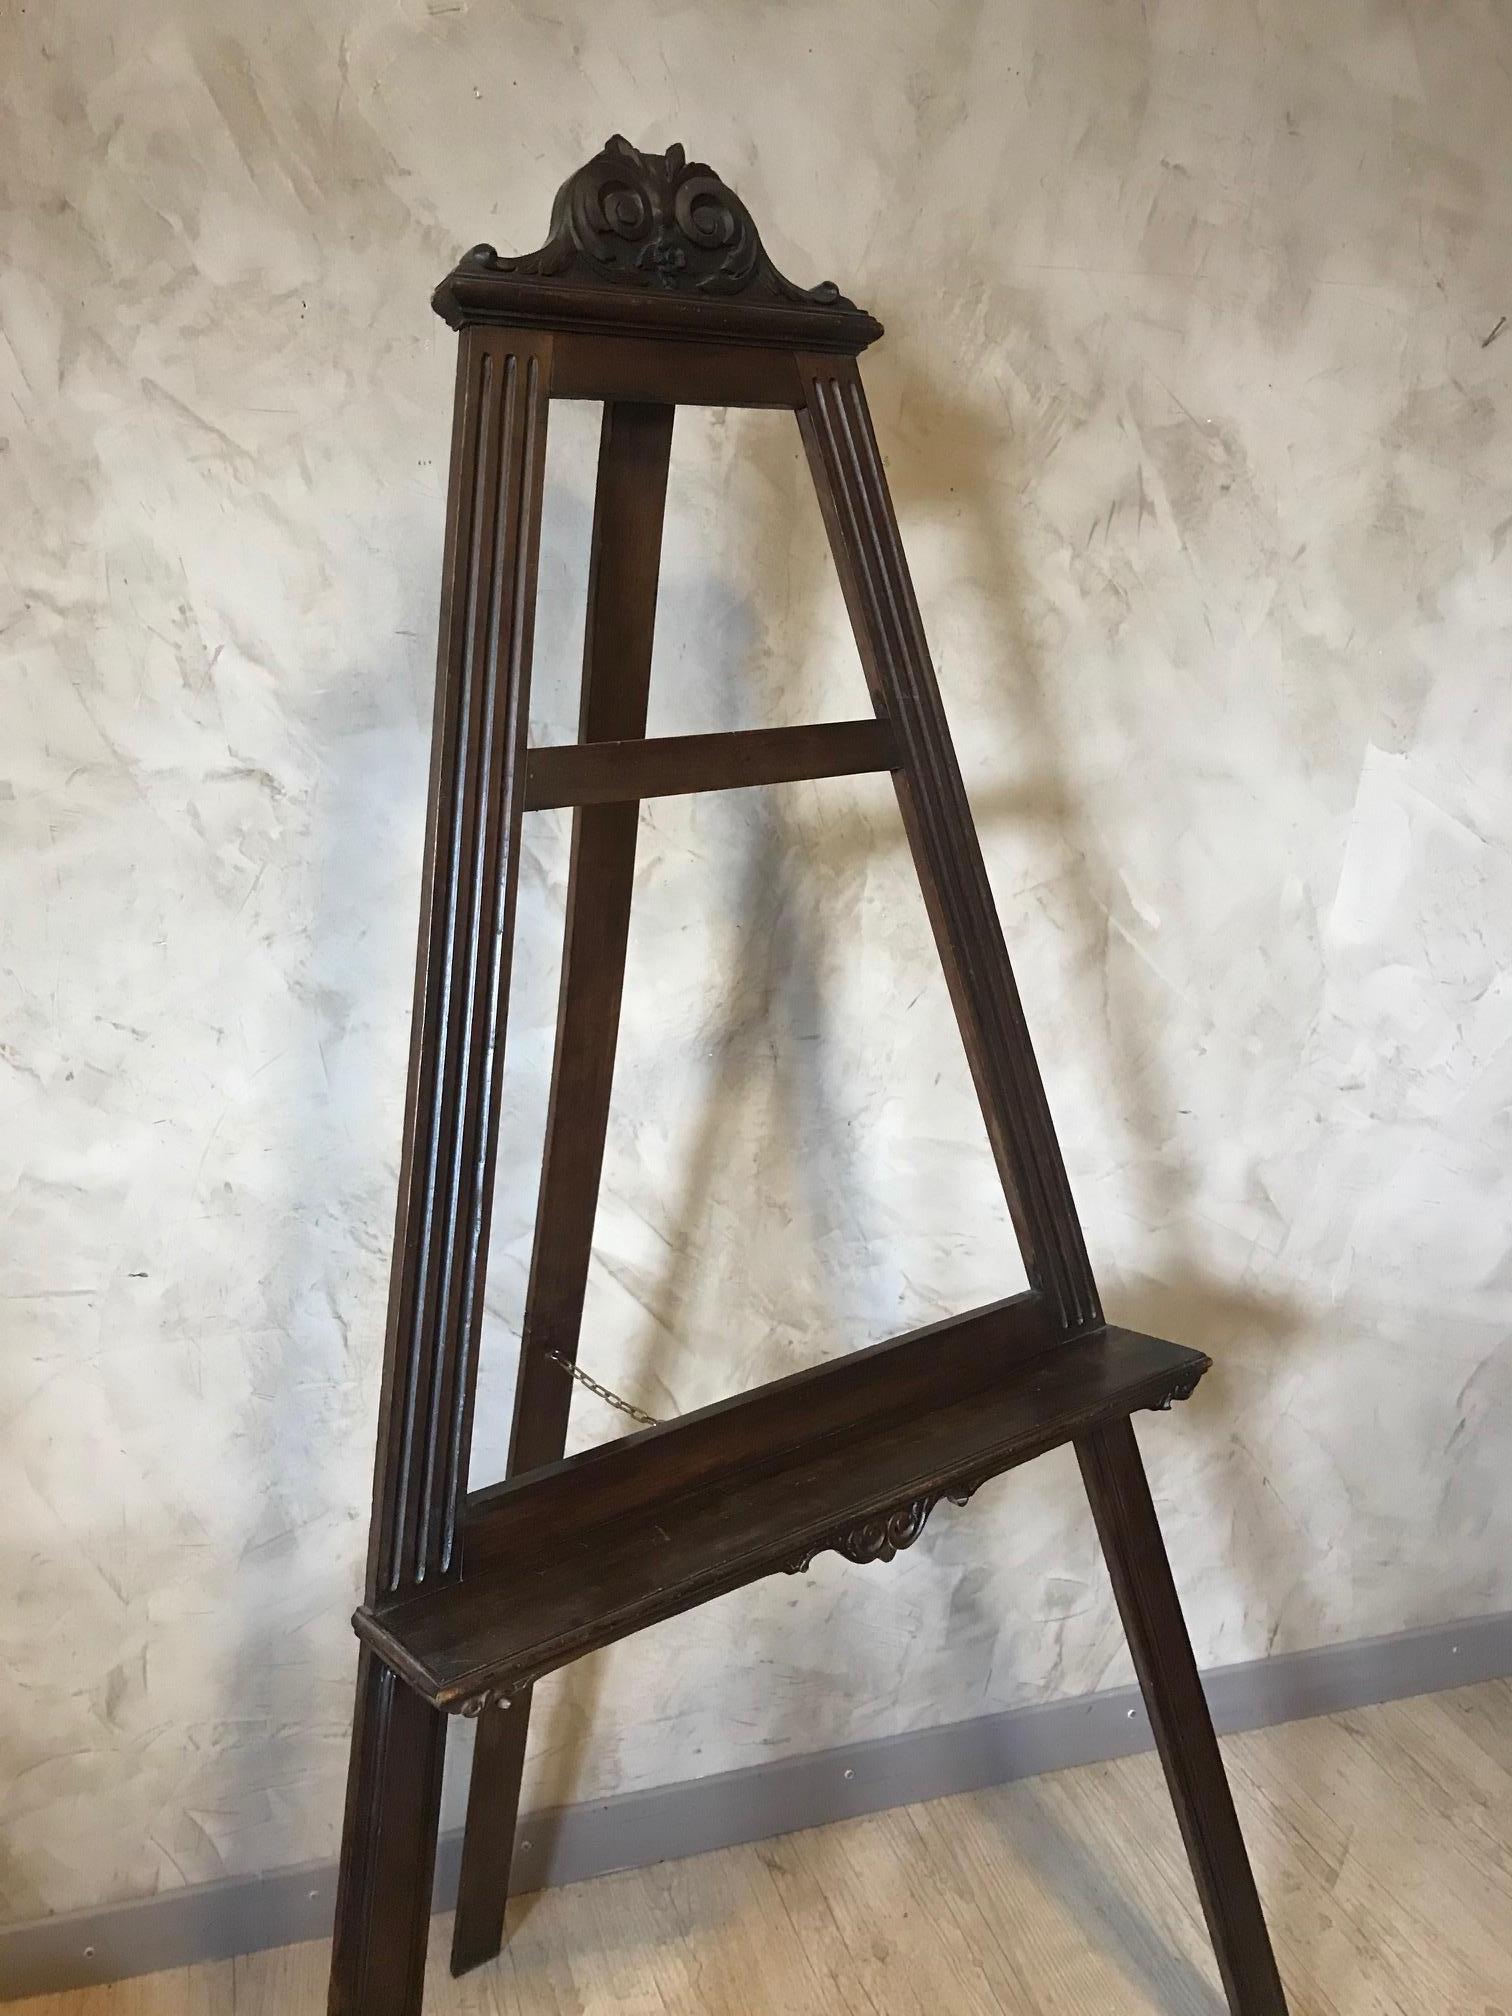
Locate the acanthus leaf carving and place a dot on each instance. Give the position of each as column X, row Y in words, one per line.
column 655, row 220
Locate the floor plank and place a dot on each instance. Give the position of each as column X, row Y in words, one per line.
column 1382, row 1841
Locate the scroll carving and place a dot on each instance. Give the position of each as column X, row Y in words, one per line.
column 651, row 245
column 655, row 220
column 886, row 1535
column 1183, row 1389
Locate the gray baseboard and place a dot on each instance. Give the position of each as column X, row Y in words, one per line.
column 216, row 1920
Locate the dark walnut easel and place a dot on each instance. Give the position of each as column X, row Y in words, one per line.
column 654, row 291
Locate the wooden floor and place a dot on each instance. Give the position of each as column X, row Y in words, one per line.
column 1382, row 1840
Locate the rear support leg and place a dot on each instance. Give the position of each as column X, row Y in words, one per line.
column 626, row 555
column 1178, row 1710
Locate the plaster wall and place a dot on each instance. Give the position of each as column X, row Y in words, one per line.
column 1202, row 460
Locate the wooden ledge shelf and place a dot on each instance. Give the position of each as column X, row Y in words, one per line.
column 667, row 766
column 853, row 1455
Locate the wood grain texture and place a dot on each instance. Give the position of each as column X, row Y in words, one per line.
column 750, row 1431
column 607, row 773
column 1057, row 1896
column 624, row 564
column 868, row 552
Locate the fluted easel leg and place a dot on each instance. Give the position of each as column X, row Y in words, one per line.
column 450, row 1140
column 389, row 1860
column 846, row 465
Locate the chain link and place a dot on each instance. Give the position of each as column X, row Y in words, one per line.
column 602, row 1392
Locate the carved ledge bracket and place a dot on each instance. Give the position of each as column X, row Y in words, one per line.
column 884, row 1536
column 1182, row 1390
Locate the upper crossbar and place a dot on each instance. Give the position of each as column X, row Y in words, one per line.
column 638, row 369
column 614, row 773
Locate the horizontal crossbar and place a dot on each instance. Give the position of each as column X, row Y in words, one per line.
column 613, row 773
column 673, row 374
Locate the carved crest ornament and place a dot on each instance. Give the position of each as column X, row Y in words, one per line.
column 660, row 219
column 664, row 225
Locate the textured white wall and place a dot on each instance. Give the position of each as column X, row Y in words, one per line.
column 1204, row 469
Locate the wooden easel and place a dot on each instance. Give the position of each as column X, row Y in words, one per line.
column 654, row 291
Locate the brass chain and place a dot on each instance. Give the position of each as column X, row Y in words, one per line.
column 603, row 1393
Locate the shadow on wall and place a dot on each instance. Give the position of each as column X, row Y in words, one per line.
column 777, row 979
column 776, row 985
column 1183, row 1301
column 291, row 1672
